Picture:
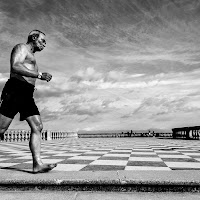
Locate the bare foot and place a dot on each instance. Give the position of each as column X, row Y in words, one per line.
column 44, row 168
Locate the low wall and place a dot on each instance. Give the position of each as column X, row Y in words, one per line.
column 13, row 135
column 187, row 133
column 127, row 134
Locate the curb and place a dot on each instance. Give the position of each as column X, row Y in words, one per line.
column 115, row 181
column 80, row 185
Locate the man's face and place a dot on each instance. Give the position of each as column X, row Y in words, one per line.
column 40, row 43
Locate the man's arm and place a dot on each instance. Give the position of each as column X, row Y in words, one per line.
column 17, row 59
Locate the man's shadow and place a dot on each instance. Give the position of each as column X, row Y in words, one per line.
column 17, row 169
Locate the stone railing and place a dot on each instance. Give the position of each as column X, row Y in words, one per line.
column 187, row 133
column 12, row 135
column 123, row 134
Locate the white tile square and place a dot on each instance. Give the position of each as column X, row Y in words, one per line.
column 80, row 150
column 110, row 162
column 84, row 158
column 69, row 167
column 173, row 156
column 28, row 157
column 192, row 154
column 146, row 150
column 168, row 152
column 143, row 153
column 103, row 149
column 68, row 154
column 122, row 151
column 153, row 159
column 8, row 164
column 147, row 168
column 190, row 150
column 52, row 152
column 95, row 152
column 116, row 155
column 183, row 165
column 2, row 159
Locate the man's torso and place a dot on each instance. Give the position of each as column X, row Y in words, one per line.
column 30, row 63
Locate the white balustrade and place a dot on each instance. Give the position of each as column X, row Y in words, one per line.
column 13, row 135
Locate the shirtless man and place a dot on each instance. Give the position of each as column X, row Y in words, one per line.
column 17, row 95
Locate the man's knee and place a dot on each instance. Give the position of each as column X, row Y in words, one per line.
column 39, row 127
column 35, row 123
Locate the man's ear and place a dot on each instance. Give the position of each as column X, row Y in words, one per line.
column 33, row 37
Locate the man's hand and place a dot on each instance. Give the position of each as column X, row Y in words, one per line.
column 46, row 76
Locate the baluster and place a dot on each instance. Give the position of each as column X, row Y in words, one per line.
column 18, row 137
column 22, row 135
column 25, row 135
column 42, row 136
column 14, row 136
column 45, row 134
column 194, row 134
column 11, row 136
column 29, row 135
column 5, row 136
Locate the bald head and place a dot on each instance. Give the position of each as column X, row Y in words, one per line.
column 33, row 35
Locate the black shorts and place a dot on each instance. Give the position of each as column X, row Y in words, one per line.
column 17, row 96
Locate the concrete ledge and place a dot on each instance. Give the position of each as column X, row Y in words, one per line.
column 127, row 181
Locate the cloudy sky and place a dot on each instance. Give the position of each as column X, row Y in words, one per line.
column 116, row 64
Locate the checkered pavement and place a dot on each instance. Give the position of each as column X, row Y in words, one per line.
column 106, row 154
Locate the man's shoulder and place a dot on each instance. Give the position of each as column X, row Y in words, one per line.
column 20, row 47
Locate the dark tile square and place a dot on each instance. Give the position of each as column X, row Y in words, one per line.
column 76, row 161
column 146, row 163
column 142, row 155
column 102, row 168
column 179, row 160
column 113, row 158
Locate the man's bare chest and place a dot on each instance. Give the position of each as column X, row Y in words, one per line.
column 30, row 62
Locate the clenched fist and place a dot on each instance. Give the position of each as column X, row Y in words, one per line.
column 46, row 76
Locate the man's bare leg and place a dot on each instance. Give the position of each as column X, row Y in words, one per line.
column 4, row 124
column 36, row 126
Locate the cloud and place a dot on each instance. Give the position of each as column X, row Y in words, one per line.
column 129, row 61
